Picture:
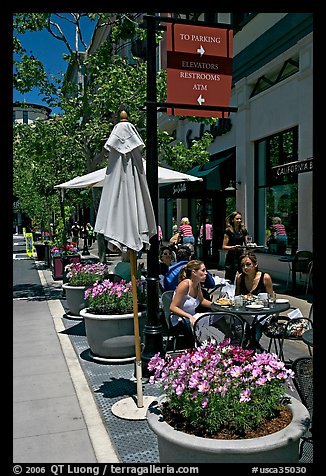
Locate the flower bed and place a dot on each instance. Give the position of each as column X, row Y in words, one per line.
column 79, row 274
column 64, row 250
column 107, row 297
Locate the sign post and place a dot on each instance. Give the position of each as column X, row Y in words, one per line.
column 199, row 68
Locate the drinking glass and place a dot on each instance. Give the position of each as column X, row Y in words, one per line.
column 272, row 299
column 238, row 302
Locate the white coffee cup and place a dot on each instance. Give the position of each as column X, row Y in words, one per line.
column 262, row 296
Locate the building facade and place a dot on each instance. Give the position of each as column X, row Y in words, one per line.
column 269, row 140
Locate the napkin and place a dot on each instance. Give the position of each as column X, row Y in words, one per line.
column 219, row 280
column 228, row 290
column 295, row 313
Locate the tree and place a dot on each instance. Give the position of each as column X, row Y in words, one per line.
column 89, row 108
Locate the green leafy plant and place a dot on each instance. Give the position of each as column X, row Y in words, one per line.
column 107, row 297
column 79, row 274
column 219, row 387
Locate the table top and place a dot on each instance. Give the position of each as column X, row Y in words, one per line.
column 287, row 259
column 307, row 337
column 250, row 247
column 249, row 312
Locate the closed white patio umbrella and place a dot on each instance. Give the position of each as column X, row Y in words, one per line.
column 126, row 218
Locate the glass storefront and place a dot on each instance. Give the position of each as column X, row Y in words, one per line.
column 276, row 195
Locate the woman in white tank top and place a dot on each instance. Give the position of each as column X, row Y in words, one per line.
column 188, row 294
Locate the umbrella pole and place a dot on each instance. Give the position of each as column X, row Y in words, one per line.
column 140, row 403
column 126, row 408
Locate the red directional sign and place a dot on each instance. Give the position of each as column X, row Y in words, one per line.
column 199, row 68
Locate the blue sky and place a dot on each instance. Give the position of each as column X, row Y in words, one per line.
column 50, row 51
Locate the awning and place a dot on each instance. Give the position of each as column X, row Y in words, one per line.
column 213, row 179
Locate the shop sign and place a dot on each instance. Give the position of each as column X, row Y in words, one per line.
column 179, row 188
column 296, row 167
column 199, row 68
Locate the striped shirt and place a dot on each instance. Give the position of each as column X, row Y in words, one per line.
column 279, row 228
column 186, row 230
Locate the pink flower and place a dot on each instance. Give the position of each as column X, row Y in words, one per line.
column 245, row 395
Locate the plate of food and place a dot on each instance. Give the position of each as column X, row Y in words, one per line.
column 254, row 306
column 282, row 301
column 223, row 302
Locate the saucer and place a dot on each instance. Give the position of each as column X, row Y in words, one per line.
column 255, row 306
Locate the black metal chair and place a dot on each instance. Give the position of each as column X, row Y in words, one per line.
column 180, row 333
column 301, row 263
column 303, row 382
column 218, row 326
column 282, row 329
column 115, row 278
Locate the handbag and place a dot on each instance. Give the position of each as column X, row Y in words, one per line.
column 289, row 329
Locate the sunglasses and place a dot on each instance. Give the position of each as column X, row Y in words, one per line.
column 246, row 265
column 166, row 254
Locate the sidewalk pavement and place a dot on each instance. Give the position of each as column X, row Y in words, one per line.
column 62, row 398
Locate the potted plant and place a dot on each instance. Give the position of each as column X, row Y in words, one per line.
column 42, row 245
column 225, row 404
column 61, row 256
column 79, row 278
column 109, row 319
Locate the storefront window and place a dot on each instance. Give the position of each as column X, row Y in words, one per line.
column 276, row 195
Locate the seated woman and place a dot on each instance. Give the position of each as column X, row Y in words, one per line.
column 165, row 260
column 188, row 294
column 123, row 267
column 252, row 281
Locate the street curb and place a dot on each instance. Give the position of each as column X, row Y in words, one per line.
column 101, row 442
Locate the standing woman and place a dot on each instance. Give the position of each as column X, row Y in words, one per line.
column 234, row 238
column 280, row 234
column 186, row 232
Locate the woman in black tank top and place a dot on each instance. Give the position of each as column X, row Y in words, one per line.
column 253, row 281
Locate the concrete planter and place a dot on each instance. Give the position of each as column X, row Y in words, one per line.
column 75, row 298
column 111, row 337
column 40, row 251
column 280, row 447
column 60, row 262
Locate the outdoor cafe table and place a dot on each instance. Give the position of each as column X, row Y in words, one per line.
column 292, row 260
column 244, row 312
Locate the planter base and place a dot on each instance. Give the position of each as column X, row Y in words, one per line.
column 97, row 358
column 68, row 315
column 112, row 337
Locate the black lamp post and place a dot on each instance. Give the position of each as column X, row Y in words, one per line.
column 85, row 251
column 153, row 338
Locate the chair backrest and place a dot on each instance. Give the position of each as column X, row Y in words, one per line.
column 303, row 380
column 311, row 313
column 303, row 261
column 166, row 299
column 219, row 326
column 115, row 278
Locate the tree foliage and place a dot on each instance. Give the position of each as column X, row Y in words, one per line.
column 53, row 151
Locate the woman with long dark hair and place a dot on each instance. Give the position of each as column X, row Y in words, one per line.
column 234, row 239
column 188, row 294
